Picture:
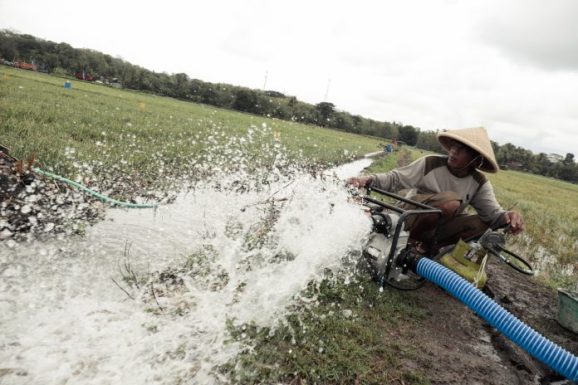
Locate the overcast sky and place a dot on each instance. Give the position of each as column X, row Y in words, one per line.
column 508, row 65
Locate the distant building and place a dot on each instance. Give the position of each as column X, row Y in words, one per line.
column 25, row 66
column 115, row 83
column 514, row 165
column 83, row 75
column 555, row 158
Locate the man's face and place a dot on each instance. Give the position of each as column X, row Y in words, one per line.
column 460, row 156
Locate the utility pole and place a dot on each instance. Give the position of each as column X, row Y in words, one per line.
column 265, row 83
column 327, row 90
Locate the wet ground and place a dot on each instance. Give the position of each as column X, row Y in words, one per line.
column 458, row 347
column 455, row 345
column 34, row 207
column 89, row 309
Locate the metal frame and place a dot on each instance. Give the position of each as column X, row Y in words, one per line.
column 404, row 214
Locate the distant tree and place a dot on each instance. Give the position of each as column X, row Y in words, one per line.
column 344, row 121
column 66, row 55
column 427, row 140
column 180, row 85
column 566, row 172
column 303, row 112
column 164, row 84
column 149, row 82
column 246, row 100
column 325, row 112
column 217, row 95
column 505, row 153
column 8, row 48
column 408, row 134
column 274, row 94
column 541, row 165
column 50, row 61
column 372, row 127
column 357, row 123
column 567, row 169
column 281, row 110
column 389, row 130
column 195, row 90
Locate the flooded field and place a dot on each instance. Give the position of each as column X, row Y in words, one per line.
column 146, row 295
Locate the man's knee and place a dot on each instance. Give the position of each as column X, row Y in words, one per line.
column 447, row 201
column 448, row 208
column 464, row 227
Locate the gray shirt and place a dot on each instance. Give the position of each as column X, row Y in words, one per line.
column 430, row 175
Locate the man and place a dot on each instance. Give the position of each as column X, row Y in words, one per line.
column 450, row 183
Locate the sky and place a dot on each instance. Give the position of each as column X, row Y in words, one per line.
column 508, row 65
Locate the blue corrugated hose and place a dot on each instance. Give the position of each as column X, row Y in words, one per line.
column 530, row 340
column 95, row 194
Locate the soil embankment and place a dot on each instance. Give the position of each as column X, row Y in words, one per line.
column 458, row 347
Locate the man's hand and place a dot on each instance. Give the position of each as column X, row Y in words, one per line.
column 360, row 181
column 515, row 221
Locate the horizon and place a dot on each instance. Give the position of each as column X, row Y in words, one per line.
column 459, row 65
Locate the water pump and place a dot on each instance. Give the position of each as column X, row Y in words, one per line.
column 386, row 251
column 394, row 263
column 392, row 260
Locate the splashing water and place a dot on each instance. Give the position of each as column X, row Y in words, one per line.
column 181, row 274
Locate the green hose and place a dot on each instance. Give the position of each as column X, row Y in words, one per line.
column 95, row 194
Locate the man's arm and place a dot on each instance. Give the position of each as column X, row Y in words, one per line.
column 515, row 220
column 361, row 181
column 491, row 212
column 403, row 177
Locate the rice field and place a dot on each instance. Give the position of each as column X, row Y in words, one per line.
column 259, row 279
column 97, row 133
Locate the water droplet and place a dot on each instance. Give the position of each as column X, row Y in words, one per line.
column 5, row 234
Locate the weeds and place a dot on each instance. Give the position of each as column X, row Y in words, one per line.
column 340, row 337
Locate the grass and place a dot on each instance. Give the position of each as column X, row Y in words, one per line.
column 97, row 132
column 349, row 336
column 550, row 209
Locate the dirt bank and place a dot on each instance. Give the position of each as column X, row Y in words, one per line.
column 458, row 347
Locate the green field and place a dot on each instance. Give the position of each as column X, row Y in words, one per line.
column 97, row 132
column 108, row 130
column 105, row 134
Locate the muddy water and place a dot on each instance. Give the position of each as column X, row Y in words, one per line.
column 64, row 320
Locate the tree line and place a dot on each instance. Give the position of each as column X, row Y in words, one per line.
column 62, row 59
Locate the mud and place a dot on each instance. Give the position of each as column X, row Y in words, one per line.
column 458, row 347
column 34, row 207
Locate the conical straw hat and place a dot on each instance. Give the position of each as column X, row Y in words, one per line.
column 476, row 138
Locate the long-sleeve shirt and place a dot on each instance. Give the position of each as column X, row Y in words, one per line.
column 430, row 175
